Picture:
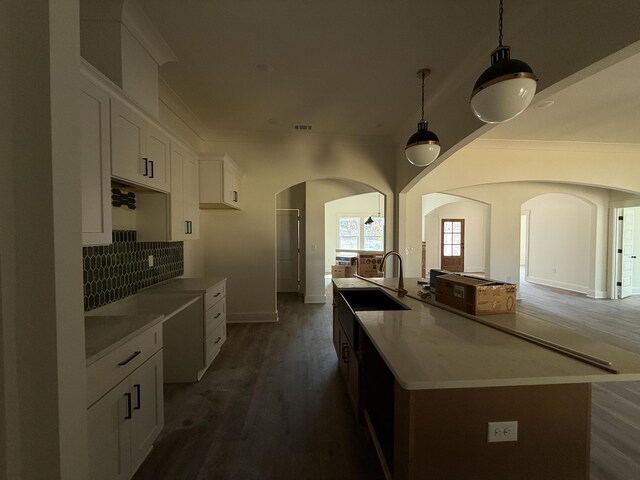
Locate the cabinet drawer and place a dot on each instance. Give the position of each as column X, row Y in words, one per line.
column 214, row 342
column 213, row 317
column 108, row 371
column 214, row 295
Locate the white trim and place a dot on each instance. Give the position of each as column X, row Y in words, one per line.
column 598, row 294
column 136, row 21
column 315, row 299
column 252, row 317
column 564, row 286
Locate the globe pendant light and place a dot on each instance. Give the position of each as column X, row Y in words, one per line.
column 423, row 147
column 506, row 88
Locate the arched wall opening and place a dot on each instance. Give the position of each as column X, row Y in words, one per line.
column 310, row 199
column 559, row 241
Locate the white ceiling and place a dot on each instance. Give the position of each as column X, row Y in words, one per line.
column 348, row 66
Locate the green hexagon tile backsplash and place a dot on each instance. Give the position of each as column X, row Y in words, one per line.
column 112, row 272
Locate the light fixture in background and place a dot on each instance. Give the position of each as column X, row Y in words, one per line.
column 369, row 220
column 423, row 147
column 506, row 88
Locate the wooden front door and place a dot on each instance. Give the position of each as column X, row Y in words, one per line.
column 452, row 245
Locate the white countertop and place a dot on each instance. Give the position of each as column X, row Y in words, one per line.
column 108, row 327
column 428, row 347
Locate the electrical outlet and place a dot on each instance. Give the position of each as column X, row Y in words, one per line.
column 151, row 260
column 502, row 432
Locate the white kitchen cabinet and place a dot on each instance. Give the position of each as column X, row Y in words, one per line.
column 220, row 182
column 95, row 157
column 139, row 150
column 193, row 338
column 185, row 224
column 126, row 412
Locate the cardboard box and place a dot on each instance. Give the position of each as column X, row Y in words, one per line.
column 340, row 271
column 369, row 264
column 477, row 296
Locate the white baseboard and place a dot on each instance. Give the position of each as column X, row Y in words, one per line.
column 552, row 283
column 251, row 317
column 597, row 294
column 315, row 299
column 635, row 291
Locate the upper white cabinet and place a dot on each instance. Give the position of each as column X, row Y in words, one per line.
column 185, row 224
column 220, row 182
column 139, row 150
column 95, row 154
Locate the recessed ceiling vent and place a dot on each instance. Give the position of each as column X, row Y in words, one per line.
column 302, row 127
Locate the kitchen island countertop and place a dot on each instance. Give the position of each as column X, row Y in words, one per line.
column 431, row 347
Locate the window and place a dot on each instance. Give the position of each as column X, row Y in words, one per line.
column 349, row 233
column 354, row 234
column 374, row 234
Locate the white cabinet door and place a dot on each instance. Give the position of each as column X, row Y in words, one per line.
column 147, row 408
column 157, row 158
column 95, row 155
column 220, row 182
column 127, row 144
column 139, row 151
column 191, row 196
column 179, row 226
column 109, row 435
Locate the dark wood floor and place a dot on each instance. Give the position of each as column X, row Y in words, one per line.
column 273, row 405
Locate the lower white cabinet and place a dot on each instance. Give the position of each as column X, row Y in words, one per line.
column 124, row 422
column 192, row 339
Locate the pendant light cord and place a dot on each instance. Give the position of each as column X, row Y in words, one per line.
column 423, row 96
column 501, row 10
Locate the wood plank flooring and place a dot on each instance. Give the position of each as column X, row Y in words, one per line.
column 273, row 405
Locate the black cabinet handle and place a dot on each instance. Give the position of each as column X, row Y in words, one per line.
column 137, row 387
column 128, row 395
column 235, row 196
column 190, row 227
column 217, row 315
column 219, row 338
column 133, row 355
column 345, row 357
column 146, row 167
column 151, row 162
column 217, row 295
column 186, row 226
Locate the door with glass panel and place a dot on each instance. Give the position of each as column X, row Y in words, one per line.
column 452, row 245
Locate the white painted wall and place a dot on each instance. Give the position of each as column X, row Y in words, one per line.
column 560, row 234
column 240, row 245
column 473, row 214
column 363, row 206
column 502, row 182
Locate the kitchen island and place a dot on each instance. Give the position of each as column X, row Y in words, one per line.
column 428, row 381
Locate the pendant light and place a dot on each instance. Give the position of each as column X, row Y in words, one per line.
column 423, row 147
column 506, row 88
column 369, row 220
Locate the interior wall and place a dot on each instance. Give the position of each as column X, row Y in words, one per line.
column 241, row 245
column 560, row 235
column 363, row 205
column 474, row 236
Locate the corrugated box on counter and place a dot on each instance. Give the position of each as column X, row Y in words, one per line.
column 341, row 271
column 369, row 264
column 477, row 296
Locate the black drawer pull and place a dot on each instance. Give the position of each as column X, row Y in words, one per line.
column 133, row 355
column 219, row 338
column 146, row 167
column 128, row 395
column 137, row 387
column 217, row 315
column 217, row 294
column 345, row 357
